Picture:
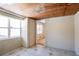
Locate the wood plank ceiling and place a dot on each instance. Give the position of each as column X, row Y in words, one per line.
column 43, row 10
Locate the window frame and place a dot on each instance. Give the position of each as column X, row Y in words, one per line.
column 9, row 27
column 38, row 25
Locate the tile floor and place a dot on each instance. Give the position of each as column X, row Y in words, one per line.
column 39, row 51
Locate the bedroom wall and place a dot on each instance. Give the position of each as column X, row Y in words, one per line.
column 29, row 32
column 59, row 32
column 25, row 33
column 76, row 23
column 7, row 45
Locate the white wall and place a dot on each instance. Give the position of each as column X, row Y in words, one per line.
column 29, row 33
column 25, row 33
column 7, row 45
column 59, row 32
column 77, row 33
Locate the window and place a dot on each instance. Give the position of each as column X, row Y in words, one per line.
column 14, row 23
column 10, row 27
column 3, row 33
column 15, row 33
column 3, row 27
column 39, row 28
column 3, row 21
column 23, row 24
column 15, row 28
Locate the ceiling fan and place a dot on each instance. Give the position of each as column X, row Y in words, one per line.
column 39, row 8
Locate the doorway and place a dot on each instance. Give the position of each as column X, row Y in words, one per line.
column 40, row 37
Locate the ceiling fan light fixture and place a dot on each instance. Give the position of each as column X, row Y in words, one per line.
column 40, row 8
